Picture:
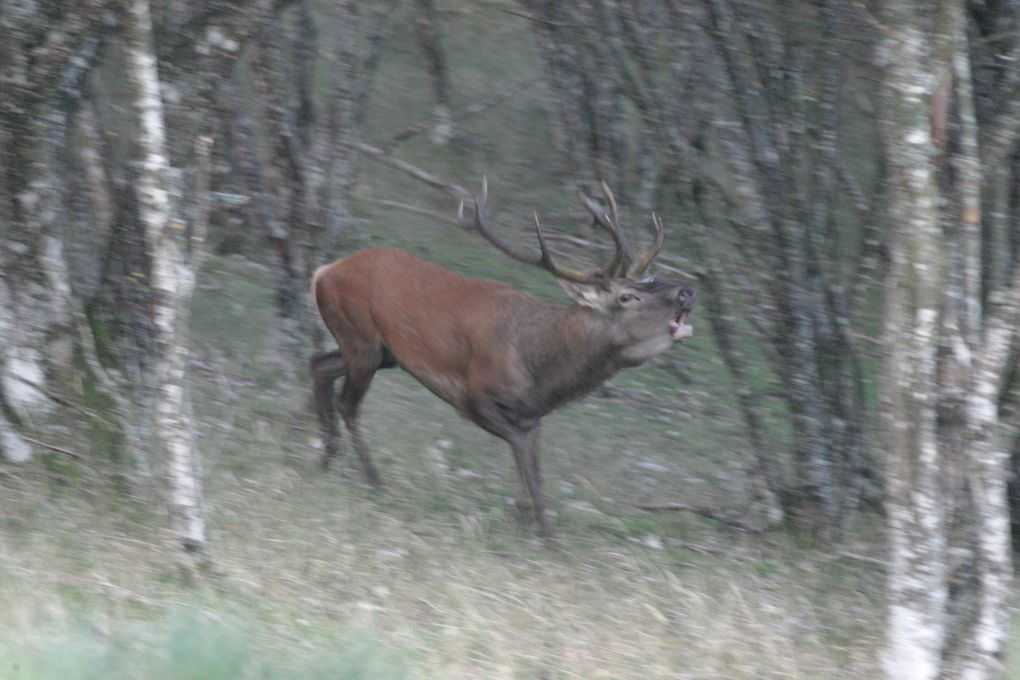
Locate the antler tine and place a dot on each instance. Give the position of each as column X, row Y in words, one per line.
column 610, row 223
column 639, row 269
column 481, row 222
column 622, row 247
column 559, row 272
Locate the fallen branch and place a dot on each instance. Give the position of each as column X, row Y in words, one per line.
column 846, row 555
column 708, row 513
column 713, row 552
column 46, row 393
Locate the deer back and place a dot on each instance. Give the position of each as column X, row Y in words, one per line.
column 449, row 332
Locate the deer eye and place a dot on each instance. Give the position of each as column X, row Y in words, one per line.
column 627, row 297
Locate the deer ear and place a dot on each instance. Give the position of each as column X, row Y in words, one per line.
column 592, row 296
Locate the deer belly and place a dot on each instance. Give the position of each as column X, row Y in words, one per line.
column 447, row 386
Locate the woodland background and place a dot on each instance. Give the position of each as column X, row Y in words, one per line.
column 822, row 483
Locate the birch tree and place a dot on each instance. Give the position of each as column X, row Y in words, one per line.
column 949, row 332
column 171, row 251
column 917, row 573
column 46, row 51
column 989, row 309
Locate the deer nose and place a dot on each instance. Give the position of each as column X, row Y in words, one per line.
column 685, row 297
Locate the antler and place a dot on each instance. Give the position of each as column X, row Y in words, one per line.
column 611, row 222
column 599, row 277
column 638, row 270
column 481, row 222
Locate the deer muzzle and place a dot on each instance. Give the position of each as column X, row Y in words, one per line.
column 678, row 327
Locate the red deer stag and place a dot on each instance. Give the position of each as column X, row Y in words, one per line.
column 501, row 357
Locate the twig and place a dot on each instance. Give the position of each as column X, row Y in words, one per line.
column 46, row 393
column 51, row 447
column 707, row 550
column 538, row 20
column 56, row 398
column 994, row 37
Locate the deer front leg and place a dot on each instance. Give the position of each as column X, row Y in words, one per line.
column 524, row 445
column 522, row 435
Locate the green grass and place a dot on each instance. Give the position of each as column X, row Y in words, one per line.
column 191, row 644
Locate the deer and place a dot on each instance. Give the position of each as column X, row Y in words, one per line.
column 501, row 357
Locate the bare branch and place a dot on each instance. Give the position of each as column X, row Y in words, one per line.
column 380, row 155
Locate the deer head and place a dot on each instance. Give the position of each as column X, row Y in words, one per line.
column 640, row 314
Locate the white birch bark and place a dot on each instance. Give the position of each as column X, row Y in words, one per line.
column 980, row 655
column 982, row 650
column 916, row 646
column 917, row 587
column 172, row 282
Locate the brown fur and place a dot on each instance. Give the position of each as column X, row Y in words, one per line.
column 501, row 357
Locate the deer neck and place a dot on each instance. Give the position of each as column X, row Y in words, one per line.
column 567, row 352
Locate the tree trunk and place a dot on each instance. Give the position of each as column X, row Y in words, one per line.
column 172, row 281
column 430, row 36
column 942, row 624
column 917, row 580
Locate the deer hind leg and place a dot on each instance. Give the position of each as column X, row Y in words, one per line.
column 359, row 377
column 522, row 499
column 326, row 368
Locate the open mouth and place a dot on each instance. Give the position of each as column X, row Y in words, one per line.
column 678, row 328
